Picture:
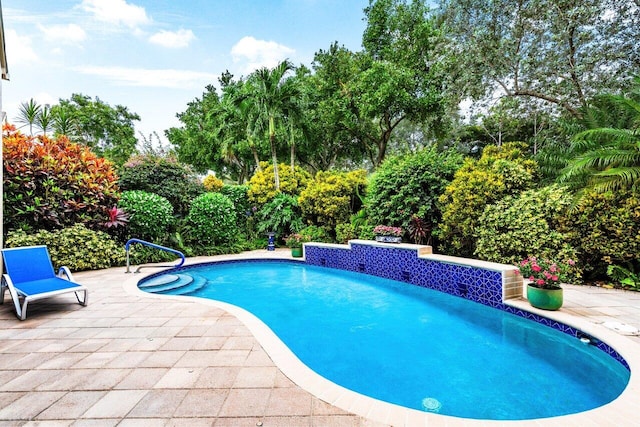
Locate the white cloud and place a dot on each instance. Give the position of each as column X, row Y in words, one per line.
column 117, row 12
column 168, row 78
column 67, row 34
column 19, row 49
column 259, row 53
column 173, row 39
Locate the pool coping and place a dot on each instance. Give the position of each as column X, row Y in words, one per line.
column 621, row 411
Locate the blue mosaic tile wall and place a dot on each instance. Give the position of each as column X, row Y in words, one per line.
column 472, row 283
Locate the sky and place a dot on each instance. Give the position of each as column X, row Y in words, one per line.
column 155, row 56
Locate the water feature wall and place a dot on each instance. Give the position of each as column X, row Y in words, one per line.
column 483, row 282
column 479, row 281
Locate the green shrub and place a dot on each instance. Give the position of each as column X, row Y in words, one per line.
column 150, row 215
column 211, row 220
column 500, row 171
column 332, row 197
column 313, row 233
column 525, row 225
column 243, row 208
column 605, row 230
column 54, row 183
column 262, row 187
column 76, row 247
column 281, row 215
column 409, row 186
column 162, row 176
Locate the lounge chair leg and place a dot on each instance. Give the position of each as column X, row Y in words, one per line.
column 85, row 300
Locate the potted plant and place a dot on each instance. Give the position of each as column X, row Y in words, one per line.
column 545, row 277
column 388, row 234
column 295, row 241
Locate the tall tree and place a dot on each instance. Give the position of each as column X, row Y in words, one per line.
column 108, row 131
column 559, row 52
column 401, row 78
column 273, row 94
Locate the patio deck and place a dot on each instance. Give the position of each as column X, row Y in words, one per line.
column 133, row 359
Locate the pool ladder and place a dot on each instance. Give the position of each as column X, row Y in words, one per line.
column 152, row 245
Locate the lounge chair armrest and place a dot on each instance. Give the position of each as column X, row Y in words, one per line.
column 65, row 270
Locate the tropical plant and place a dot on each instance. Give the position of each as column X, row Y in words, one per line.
column 54, row 183
column 44, row 120
column 28, row 114
column 624, row 277
column 607, row 156
column 272, row 95
column 150, row 215
column 281, row 216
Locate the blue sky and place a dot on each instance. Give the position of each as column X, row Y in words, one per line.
column 154, row 56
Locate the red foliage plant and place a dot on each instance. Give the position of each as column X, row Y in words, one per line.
column 51, row 183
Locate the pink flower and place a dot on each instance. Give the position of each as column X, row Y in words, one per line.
column 554, row 278
column 536, row 268
column 540, row 281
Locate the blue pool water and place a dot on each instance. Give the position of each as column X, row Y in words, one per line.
column 415, row 347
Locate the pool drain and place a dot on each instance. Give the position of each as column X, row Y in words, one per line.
column 430, row 404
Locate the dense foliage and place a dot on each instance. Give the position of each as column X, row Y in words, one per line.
column 76, row 247
column 525, row 225
column 332, row 197
column 409, row 186
column 150, row 215
column 262, row 187
column 243, row 208
column 281, row 216
column 605, row 229
column 108, row 131
column 212, row 220
column 501, row 171
column 52, row 183
column 165, row 177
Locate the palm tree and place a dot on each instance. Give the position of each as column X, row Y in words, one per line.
column 607, row 156
column 273, row 96
column 45, row 119
column 63, row 122
column 28, row 114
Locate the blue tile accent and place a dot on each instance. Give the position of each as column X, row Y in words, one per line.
column 402, row 264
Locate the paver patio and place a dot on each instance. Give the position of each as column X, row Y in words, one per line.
column 128, row 359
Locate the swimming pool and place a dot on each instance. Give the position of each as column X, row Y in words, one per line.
column 411, row 346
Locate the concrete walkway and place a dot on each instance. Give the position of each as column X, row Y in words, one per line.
column 129, row 359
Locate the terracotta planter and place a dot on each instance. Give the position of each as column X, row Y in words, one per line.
column 546, row 299
column 296, row 252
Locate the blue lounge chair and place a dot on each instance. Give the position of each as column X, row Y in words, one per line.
column 30, row 277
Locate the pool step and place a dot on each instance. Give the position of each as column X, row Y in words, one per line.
column 174, row 284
